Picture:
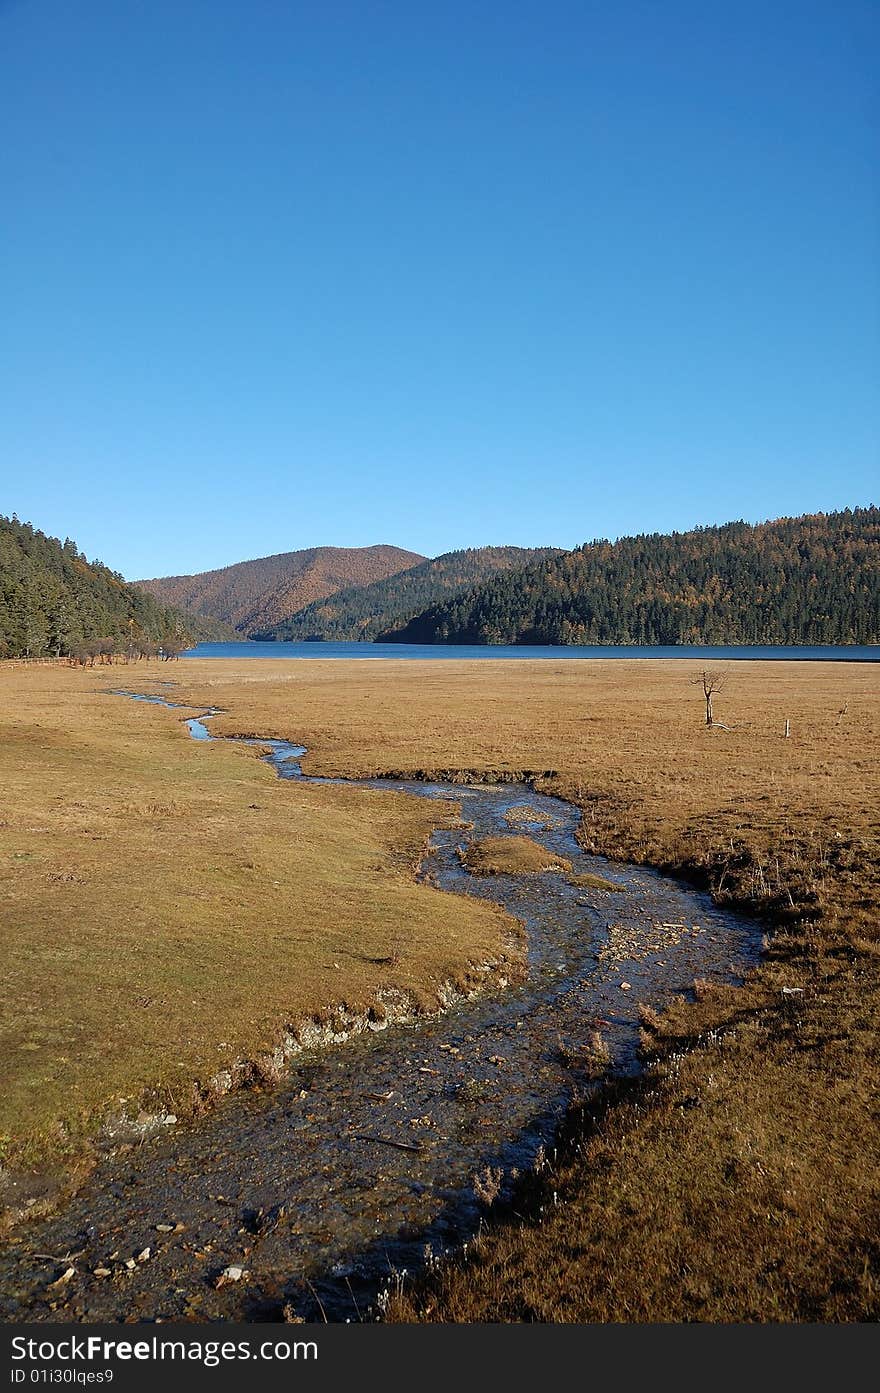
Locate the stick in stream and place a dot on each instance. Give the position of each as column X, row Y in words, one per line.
column 386, row 1141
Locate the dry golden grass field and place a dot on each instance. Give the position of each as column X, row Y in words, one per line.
column 737, row 1181
column 168, row 907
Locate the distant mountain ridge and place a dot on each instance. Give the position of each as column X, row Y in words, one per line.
column 811, row 579
column 256, row 595
column 53, row 599
column 363, row 612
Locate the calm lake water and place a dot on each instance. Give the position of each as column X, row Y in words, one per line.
column 854, row 653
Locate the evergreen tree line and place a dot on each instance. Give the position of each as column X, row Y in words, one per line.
column 55, row 603
column 362, row 612
column 807, row 580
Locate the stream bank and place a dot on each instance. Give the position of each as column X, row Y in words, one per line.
column 380, row 1154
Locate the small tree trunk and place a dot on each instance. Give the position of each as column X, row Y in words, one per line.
column 708, row 708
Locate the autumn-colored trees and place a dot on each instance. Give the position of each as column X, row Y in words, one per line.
column 807, row 580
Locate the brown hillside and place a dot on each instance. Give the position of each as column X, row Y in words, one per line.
column 254, row 595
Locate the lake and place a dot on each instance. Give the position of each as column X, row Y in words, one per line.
column 852, row 653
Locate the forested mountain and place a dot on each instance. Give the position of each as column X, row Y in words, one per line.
column 364, row 611
column 813, row 579
column 256, row 595
column 52, row 599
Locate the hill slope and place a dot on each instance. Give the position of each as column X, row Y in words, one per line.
column 256, row 595
column 813, row 579
column 52, row 598
column 363, row 612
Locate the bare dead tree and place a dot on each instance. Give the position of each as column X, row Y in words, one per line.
column 711, row 680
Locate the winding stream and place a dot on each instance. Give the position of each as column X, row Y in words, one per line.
column 363, row 1162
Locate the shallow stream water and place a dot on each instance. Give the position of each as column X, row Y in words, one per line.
column 376, row 1155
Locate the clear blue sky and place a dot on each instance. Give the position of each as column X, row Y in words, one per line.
column 280, row 274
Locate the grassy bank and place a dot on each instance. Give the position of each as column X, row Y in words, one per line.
column 739, row 1180
column 170, row 908
column 511, row 855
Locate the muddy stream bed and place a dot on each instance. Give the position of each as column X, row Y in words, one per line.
column 375, row 1156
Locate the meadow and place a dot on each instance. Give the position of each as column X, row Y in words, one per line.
column 160, row 920
column 171, row 909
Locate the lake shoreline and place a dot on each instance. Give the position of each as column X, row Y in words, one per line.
column 328, row 650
